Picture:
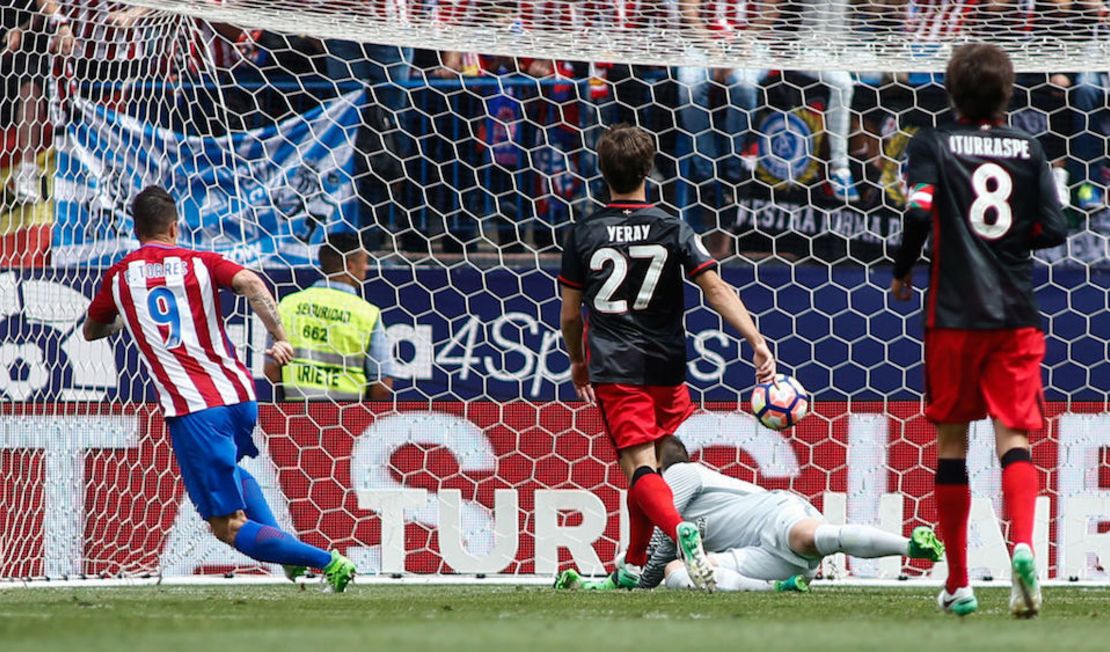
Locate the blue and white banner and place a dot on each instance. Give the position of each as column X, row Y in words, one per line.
column 261, row 197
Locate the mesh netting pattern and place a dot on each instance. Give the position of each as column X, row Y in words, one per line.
column 877, row 35
column 459, row 171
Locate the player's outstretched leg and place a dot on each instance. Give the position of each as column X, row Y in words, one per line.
column 870, row 542
column 273, row 545
column 259, row 511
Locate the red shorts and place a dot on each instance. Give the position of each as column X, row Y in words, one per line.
column 972, row 374
column 641, row 414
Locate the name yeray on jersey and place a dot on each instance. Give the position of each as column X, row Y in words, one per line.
column 628, row 233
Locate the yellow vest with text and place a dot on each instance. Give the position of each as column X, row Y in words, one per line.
column 329, row 330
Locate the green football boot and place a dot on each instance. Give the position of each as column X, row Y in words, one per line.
column 961, row 603
column 1025, row 593
column 293, row 572
column 339, row 572
column 605, row 584
column 571, row 579
column 567, row 580
column 796, row 584
column 924, row 544
column 690, row 550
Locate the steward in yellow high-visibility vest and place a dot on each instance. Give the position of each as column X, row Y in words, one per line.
column 340, row 348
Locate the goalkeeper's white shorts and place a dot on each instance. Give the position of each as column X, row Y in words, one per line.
column 773, row 559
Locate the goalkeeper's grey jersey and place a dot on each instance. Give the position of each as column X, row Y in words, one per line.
column 721, row 506
column 729, row 512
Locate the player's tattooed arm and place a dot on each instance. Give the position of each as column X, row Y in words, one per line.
column 248, row 284
column 94, row 330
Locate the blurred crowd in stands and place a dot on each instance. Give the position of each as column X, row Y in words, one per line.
column 462, row 152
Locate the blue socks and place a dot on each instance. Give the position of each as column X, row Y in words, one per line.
column 261, row 538
column 257, row 509
column 268, row 543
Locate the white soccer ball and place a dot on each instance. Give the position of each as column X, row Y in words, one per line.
column 780, row 404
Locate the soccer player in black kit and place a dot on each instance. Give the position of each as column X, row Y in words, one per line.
column 985, row 192
column 627, row 264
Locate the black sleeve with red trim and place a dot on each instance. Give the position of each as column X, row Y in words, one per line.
column 695, row 257
column 571, row 272
column 915, row 231
column 1051, row 228
column 921, row 161
column 921, row 178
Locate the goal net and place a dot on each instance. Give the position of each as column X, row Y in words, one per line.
column 456, row 139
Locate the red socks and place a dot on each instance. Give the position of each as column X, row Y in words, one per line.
column 1020, row 486
column 639, row 534
column 650, row 505
column 953, row 498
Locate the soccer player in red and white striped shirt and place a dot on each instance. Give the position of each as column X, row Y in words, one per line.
column 167, row 297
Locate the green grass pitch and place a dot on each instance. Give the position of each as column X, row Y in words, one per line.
column 533, row 619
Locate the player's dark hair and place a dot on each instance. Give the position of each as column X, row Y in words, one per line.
column 980, row 81
column 672, row 451
column 625, row 155
column 153, row 211
column 334, row 251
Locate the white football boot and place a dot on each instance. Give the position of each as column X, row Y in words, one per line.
column 961, row 603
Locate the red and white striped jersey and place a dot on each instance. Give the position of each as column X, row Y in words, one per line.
column 169, row 299
column 725, row 15
column 728, row 15
column 932, row 21
column 649, row 13
column 938, row 20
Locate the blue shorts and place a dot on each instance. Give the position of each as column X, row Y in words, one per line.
column 208, row 445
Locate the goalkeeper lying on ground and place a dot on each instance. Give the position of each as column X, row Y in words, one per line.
column 759, row 540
